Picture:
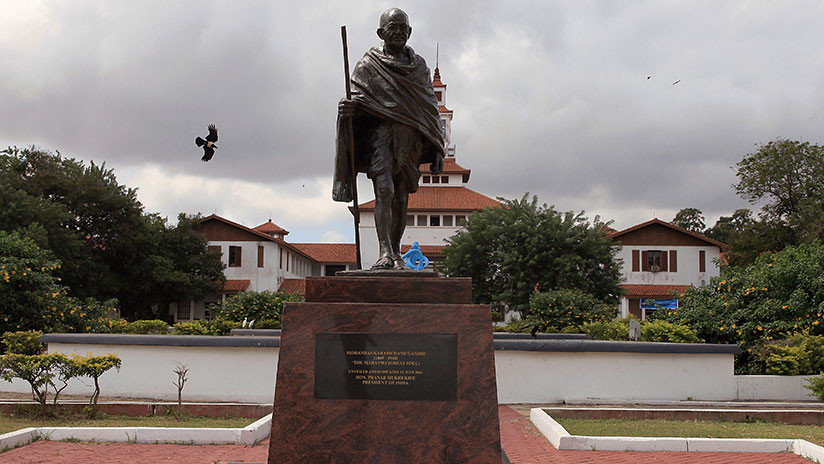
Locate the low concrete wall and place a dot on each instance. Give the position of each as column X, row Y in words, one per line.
column 243, row 369
column 772, row 388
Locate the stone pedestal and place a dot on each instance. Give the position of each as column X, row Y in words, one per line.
column 386, row 370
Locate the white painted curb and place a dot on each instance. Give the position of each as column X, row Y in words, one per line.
column 562, row 440
column 249, row 435
column 809, row 451
column 17, row 438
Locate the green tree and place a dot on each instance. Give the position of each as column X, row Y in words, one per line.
column 787, row 177
column 691, row 219
column 96, row 227
column 511, row 250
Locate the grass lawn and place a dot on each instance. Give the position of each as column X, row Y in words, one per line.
column 700, row 429
column 12, row 422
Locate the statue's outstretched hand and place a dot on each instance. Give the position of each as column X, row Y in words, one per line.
column 346, row 108
column 437, row 167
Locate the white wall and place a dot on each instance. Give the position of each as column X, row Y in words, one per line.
column 546, row 377
column 248, row 375
column 773, row 388
column 261, row 278
column 216, row 374
column 687, row 273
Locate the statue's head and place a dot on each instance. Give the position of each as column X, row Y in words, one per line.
column 394, row 28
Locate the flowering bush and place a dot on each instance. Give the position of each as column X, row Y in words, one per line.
column 554, row 310
column 257, row 306
column 663, row 331
column 779, row 295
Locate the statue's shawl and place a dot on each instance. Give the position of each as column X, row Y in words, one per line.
column 394, row 91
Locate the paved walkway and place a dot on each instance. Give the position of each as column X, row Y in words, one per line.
column 521, row 440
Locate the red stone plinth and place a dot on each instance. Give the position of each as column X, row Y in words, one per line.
column 310, row 430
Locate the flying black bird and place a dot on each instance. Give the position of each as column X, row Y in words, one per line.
column 208, row 145
column 679, row 80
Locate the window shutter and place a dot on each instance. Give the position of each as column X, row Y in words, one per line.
column 702, row 261
column 260, row 255
column 645, row 261
column 636, row 261
column 673, row 261
column 664, row 261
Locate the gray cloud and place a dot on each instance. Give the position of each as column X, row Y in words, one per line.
column 549, row 97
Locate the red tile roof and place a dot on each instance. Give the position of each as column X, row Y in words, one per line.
column 215, row 217
column 449, row 167
column 333, row 253
column 271, row 228
column 666, row 224
column 443, row 199
column 635, row 291
column 443, row 109
column 428, row 250
column 234, row 286
column 293, row 286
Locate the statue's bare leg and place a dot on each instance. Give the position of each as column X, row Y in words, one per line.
column 399, row 204
column 384, row 192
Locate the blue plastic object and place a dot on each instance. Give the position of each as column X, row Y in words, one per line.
column 415, row 258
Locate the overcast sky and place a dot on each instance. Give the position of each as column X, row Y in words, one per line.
column 572, row 101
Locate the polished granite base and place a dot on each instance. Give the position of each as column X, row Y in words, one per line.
column 394, row 399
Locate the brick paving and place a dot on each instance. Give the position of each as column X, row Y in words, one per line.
column 523, row 443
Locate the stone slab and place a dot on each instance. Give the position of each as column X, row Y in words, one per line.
column 308, row 429
column 423, row 290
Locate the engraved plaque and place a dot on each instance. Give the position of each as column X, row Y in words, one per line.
column 381, row 366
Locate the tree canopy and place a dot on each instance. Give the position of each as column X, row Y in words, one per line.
column 787, row 177
column 108, row 247
column 691, row 219
column 512, row 250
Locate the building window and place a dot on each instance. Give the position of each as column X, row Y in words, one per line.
column 438, row 94
column 234, row 256
column 280, row 258
column 460, row 221
column 215, row 249
column 434, row 220
column 654, row 260
column 444, row 179
column 447, row 221
column 436, row 179
column 702, row 261
column 425, row 179
column 287, row 261
column 184, row 310
column 260, row 255
column 443, row 126
column 410, row 220
column 421, row 220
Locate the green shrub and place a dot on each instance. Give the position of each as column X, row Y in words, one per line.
column 555, row 309
column 37, row 370
column 616, row 329
column 222, row 327
column 816, row 385
column 24, row 342
column 191, row 328
column 267, row 324
column 800, row 354
column 514, row 325
column 663, row 331
column 257, row 306
column 149, row 326
column 785, row 360
column 571, row 329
